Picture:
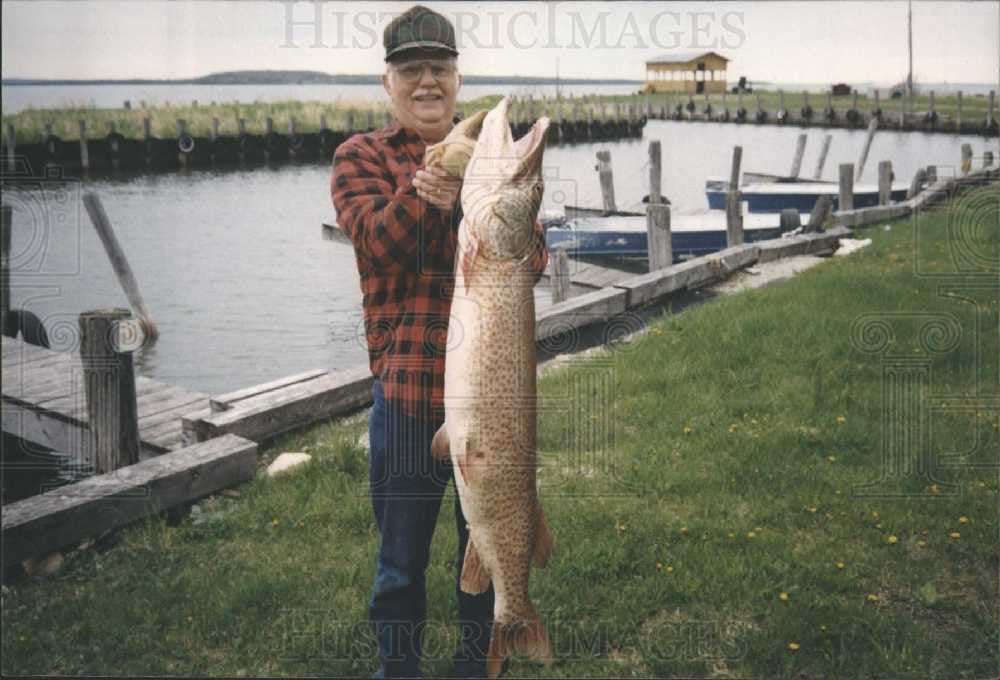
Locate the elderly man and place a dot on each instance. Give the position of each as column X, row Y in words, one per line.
column 402, row 218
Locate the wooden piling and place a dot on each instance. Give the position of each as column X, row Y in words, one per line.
column 884, row 182
column 916, row 184
column 819, row 214
column 655, row 175
column 800, row 149
column 48, row 130
column 987, row 159
column 734, row 198
column 109, row 383
column 560, row 276
column 822, row 157
column 84, row 155
column 966, row 159
column 846, row 187
column 989, row 109
column 119, row 263
column 11, row 146
column 607, row 180
column 181, row 129
column 6, row 237
column 872, row 126
column 147, row 135
column 658, row 236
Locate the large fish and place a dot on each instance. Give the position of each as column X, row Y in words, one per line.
column 489, row 383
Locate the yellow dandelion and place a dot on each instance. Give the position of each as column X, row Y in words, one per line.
column 840, row 565
column 793, row 646
column 813, row 508
column 954, row 535
column 841, row 420
column 822, row 627
column 783, row 596
column 684, row 530
column 669, row 569
column 874, row 515
column 658, row 566
column 921, row 543
column 892, row 540
column 751, row 534
column 878, row 525
column 688, row 429
column 832, row 459
column 963, row 520
column 758, row 529
column 934, row 488
column 274, row 522
column 732, row 535
column 872, row 597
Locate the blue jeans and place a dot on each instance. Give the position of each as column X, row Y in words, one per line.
column 407, row 484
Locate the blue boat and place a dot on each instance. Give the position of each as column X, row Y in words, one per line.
column 691, row 235
column 773, row 197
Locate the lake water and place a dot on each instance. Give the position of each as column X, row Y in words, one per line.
column 244, row 289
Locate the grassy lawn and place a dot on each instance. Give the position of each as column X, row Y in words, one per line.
column 29, row 124
column 703, row 484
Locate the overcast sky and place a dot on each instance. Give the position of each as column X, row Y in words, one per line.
column 815, row 42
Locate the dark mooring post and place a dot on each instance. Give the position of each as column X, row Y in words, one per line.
column 109, row 382
column 6, row 227
column 607, row 180
column 846, row 187
column 884, row 182
column 659, row 247
column 734, row 211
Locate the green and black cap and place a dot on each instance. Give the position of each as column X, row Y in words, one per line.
column 419, row 28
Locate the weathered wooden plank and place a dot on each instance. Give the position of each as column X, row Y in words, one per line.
column 690, row 274
column 262, row 417
column 21, row 381
column 223, row 402
column 171, row 433
column 801, row 244
column 181, row 407
column 879, row 213
column 26, row 353
column 63, row 516
column 579, row 311
column 41, row 427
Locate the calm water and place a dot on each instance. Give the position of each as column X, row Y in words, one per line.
column 19, row 97
column 234, row 270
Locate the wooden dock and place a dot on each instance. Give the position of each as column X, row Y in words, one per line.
column 44, row 402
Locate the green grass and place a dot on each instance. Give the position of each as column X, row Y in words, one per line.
column 29, row 124
column 755, row 413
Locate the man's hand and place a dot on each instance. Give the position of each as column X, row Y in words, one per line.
column 436, row 186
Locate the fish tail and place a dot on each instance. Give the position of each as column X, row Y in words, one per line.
column 526, row 637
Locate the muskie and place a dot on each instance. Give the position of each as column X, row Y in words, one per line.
column 489, row 381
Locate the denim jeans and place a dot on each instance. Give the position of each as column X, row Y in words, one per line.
column 407, row 484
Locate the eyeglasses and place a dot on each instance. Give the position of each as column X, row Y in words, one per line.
column 412, row 72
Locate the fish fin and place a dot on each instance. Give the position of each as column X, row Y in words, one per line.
column 468, row 259
column 529, row 638
column 440, row 445
column 475, row 578
column 543, row 540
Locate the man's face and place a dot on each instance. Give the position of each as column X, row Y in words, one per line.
column 423, row 88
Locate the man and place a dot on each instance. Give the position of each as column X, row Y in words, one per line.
column 402, row 218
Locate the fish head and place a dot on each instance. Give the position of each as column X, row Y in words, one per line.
column 502, row 189
column 453, row 152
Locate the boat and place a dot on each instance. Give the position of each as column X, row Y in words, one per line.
column 691, row 234
column 773, row 197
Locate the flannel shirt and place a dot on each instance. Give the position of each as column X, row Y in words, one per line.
column 405, row 251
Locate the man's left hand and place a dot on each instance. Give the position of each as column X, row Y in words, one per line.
column 436, row 186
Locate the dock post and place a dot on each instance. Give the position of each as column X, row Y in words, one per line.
column 958, row 111
column 11, row 146
column 989, row 110
column 987, row 159
column 780, row 114
column 147, row 134
column 112, row 439
column 822, row 157
column 902, row 114
column 268, row 125
column 918, row 181
column 560, row 276
column 658, row 236
column 800, row 149
column 658, row 242
column 877, row 111
column 84, row 156
column 966, row 159
column 322, row 122
column 931, row 174
column 181, row 130
column 607, row 180
column 734, row 199
column 655, row 174
column 931, row 108
column 872, row 126
column 820, row 211
column 6, row 231
column 884, row 182
column 846, row 187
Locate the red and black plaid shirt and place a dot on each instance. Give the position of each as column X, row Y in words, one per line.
column 405, row 250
